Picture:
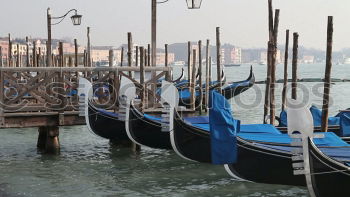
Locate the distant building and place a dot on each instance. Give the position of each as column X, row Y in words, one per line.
column 278, row 57
column 4, row 48
column 223, row 56
column 39, row 47
column 236, row 56
column 68, row 48
column 308, row 59
column 263, row 57
column 98, row 55
column 251, row 55
column 161, row 58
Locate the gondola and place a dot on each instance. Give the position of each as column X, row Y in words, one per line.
column 230, row 90
column 264, row 155
column 105, row 124
column 236, row 88
column 179, row 80
column 329, row 177
column 146, row 130
column 256, row 163
column 98, row 121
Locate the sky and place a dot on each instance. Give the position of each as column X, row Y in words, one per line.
column 242, row 22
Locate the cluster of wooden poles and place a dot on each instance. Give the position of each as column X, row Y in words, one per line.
column 35, row 58
column 269, row 105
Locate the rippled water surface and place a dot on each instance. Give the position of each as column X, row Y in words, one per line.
column 90, row 166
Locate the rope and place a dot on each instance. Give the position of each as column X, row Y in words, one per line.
column 330, row 172
column 264, row 152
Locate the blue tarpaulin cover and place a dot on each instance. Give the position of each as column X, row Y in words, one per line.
column 186, row 94
column 258, row 128
column 222, row 130
column 316, row 115
column 244, row 128
column 197, row 120
column 103, row 111
column 331, row 139
column 341, row 154
column 344, row 124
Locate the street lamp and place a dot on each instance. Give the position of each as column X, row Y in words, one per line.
column 194, row 4
column 191, row 4
column 76, row 20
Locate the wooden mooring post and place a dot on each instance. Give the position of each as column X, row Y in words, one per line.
column 273, row 54
column 48, row 141
column 142, row 78
column 168, row 74
column 267, row 85
column 268, row 69
column 200, row 77
column 88, row 48
column 17, row 56
column 207, row 78
column 34, row 54
column 285, row 70
column 1, row 58
column 327, row 79
column 76, row 60
column 218, row 58
column 189, row 71
column 130, row 51
column 295, row 65
column 27, row 52
column 148, row 55
column 137, row 56
column 9, row 56
column 193, row 83
column 122, row 57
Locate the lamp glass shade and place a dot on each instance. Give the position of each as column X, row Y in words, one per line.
column 76, row 19
column 194, row 4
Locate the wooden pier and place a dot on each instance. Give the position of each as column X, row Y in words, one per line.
column 47, row 97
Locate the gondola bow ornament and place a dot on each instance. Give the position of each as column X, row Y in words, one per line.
column 84, row 92
column 170, row 101
column 300, row 129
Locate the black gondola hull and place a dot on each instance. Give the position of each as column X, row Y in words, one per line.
column 262, row 165
column 147, row 132
column 106, row 126
column 330, row 178
column 234, row 89
column 254, row 163
column 190, row 142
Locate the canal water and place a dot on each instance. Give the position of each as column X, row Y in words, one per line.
column 90, row 166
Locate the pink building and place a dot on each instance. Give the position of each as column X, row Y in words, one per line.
column 4, row 48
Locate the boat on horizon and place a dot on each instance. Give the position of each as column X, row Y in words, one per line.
column 232, row 65
column 262, row 63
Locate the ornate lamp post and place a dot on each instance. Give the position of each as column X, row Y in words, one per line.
column 191, row 4
column 76, row 20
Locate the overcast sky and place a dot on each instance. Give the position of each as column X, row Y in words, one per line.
column 242, row 22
